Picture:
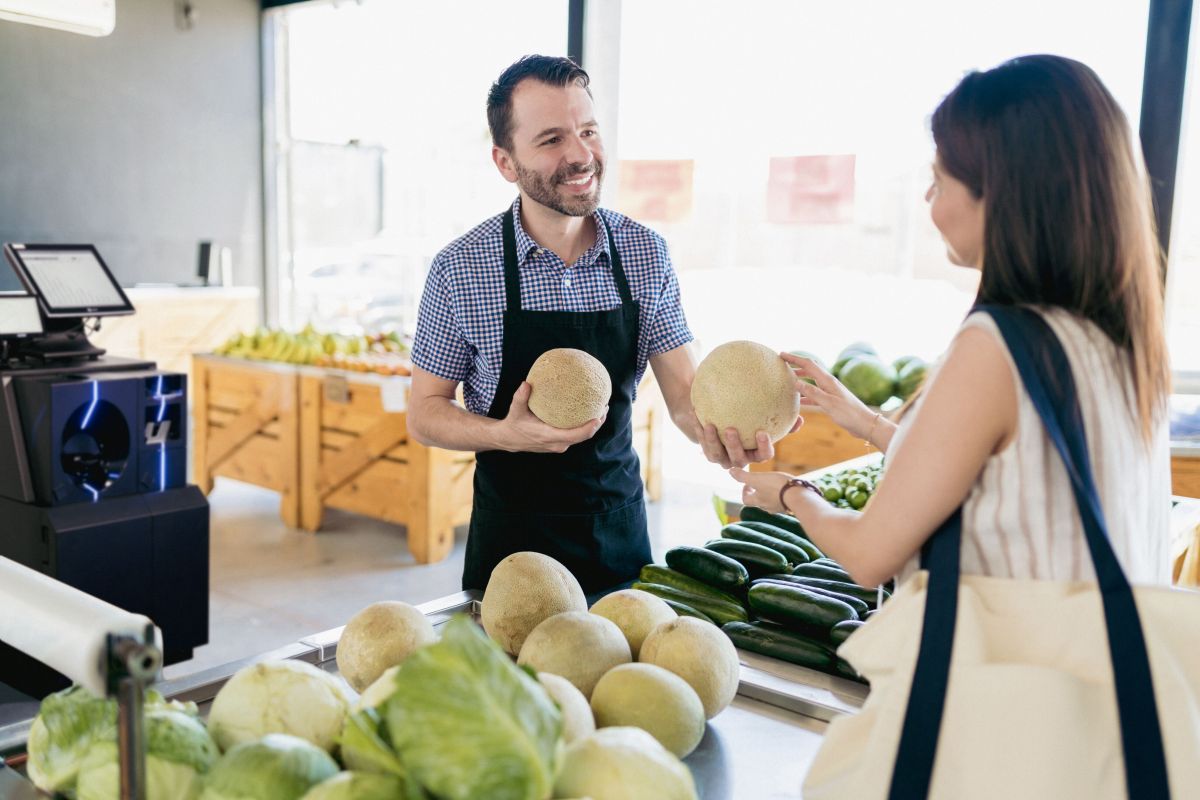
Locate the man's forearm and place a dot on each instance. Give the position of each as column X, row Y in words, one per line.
column 440, row 422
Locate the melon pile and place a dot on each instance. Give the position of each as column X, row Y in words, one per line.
column 630, row 658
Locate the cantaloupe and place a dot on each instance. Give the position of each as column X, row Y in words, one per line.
column 577, row 714
column 700, row 654
column 579, row 646
column 654, row 699
column 524, row 589
column 569, row 388
column 748, row 387
column 382, row 635
column 635, row 612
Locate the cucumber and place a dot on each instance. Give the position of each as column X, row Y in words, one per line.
column 843, row 668
column 798, row 608
column 827, row 560
column 756, row 558
column 841, row 632
column 810, row 549
column 860, row 608
column 665, row 576
column 785, row 521
column 868, row 596
column 718, row 611
column 687, row 611
column 791, row 552
column 813, row 570
column 708, row 566
column 771, row 640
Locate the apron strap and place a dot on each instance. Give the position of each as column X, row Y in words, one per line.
column 617, row 269
column 512, row 275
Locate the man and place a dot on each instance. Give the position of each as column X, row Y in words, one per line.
column 553, row 271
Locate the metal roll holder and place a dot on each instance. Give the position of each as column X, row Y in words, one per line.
column 97, row 645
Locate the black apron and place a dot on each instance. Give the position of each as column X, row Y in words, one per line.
column 583, row 507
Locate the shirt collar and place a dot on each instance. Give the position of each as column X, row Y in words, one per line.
column 526, row 244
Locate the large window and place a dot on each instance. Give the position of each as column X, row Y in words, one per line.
column 791, row 142
column 382, row 152
column 1183, row 274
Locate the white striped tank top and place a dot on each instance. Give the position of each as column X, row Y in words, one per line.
column 1020, row 520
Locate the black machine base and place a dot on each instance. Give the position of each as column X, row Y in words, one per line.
column 145, row 553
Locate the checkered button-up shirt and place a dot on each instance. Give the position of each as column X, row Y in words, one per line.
column 460, row 324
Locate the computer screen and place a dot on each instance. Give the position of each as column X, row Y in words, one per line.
column 69, row 280
column 19, row 315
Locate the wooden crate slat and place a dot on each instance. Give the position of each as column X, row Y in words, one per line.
column 378, row 491
column 388, row 431
column 256, row 462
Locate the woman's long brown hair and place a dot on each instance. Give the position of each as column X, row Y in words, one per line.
column 1067, row 211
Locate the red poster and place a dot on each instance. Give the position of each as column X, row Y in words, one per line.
column 807, row 189
column 656, row 191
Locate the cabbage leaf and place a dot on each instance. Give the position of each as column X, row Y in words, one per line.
column 469, row 723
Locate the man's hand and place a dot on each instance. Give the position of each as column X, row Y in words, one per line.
column 522, row 432
column 728, row 451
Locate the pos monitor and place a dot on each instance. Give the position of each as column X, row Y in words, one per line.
column 69, row 280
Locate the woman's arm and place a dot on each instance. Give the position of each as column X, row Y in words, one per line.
column 969, row 412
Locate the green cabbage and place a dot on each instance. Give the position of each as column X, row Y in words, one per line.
column 358, row 786
column 276, row 767
column 284, row 696
column 178, row 753
column 67, row 725
column 468, row 723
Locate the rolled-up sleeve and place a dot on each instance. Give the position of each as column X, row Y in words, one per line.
column 439, row 346
column 668, row 328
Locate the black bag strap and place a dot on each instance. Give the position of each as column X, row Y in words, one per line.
column 1046, row 373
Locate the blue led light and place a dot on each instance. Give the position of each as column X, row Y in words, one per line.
column 162, row 466
column 87, row 417
column 95, row 493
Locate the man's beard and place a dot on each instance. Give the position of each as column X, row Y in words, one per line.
column 545, row 191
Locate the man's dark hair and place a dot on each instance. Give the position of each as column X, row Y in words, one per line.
column 554, row 70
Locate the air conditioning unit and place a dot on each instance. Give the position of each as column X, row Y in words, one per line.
column 89, row 17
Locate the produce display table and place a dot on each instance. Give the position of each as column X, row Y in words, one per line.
column 819, row 443
column 760, row 747
column 326, row 438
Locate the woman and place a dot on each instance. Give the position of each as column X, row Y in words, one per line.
column 1037, row 184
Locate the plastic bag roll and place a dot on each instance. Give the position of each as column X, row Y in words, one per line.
column 59, row 625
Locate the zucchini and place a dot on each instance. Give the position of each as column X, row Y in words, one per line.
column 868, row 596
column 841, row 632
column 718, row 611
column 785, row 521
column 827, row 560
column 756, row 558
column 771, row 640
column 810, row 549
column 812, row 570
column 843, row 668
column 687, row 611
column 665, row 576
column 860, row 608
column 798, row 608
column 708, row 566
column 791, row 552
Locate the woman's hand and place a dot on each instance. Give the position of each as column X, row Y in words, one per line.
column 830, row 396
column 761, row 488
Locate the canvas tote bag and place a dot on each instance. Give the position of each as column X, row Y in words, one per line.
column 1021, row 689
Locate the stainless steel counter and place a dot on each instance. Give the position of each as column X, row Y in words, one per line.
column 759, row 747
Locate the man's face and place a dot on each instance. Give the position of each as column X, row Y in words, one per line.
column 557, row 157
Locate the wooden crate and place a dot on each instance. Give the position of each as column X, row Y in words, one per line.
column 357, row 456
column 1185, row 475
column 819, row 443
column 649, row 411
column 245, row 426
